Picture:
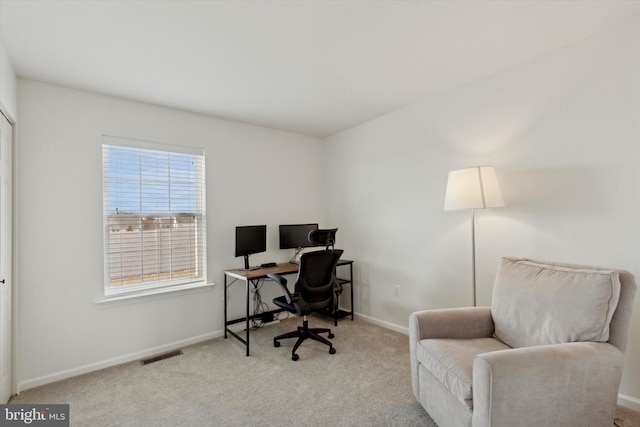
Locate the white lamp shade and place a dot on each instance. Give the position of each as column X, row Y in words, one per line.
column 473, row 188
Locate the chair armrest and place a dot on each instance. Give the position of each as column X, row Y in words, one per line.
column 295, row 300
column 559, row 385
column 468, row 322
column 462, row 323
column 283, row 284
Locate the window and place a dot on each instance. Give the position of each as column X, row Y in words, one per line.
column 154, row 216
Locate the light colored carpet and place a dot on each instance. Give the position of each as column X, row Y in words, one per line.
column 366, row 383
column 626, row 417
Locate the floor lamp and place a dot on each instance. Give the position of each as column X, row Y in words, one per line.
column 473, row 188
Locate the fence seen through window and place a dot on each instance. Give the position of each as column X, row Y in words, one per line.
column 154, row 218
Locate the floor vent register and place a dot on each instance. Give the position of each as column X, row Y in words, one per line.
column 161, row 357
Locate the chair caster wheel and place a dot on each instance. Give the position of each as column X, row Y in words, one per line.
column 295, row 357
column 276, row 343
column 331, row 335
column 332, row 350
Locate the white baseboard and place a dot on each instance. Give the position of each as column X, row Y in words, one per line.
column 384, row 324
column 58, row 376
column 629, row 402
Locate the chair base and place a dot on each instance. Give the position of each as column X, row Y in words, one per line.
column 304, row 332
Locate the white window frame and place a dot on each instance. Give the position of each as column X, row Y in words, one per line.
column 169, row 222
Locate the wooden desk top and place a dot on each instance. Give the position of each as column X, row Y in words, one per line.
column 259, row 273
column 282, row 268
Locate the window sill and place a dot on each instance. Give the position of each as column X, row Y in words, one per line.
column 155, row 293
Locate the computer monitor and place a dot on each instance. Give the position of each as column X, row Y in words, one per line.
column 250, row 239
column 296, row 236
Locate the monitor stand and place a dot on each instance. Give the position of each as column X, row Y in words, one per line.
column 295, row 259
column 246, row 265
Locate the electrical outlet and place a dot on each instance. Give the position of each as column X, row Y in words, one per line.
column 396, row 290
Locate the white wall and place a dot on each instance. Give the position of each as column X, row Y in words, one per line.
column 563, row 132
column 254, row 176
column 8, row 87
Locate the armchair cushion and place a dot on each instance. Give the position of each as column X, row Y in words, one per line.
column 537, row 304
column 451, row 362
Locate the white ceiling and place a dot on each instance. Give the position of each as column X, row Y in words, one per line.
column 312, row 67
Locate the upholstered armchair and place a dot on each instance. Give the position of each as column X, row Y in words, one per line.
column 548, row 352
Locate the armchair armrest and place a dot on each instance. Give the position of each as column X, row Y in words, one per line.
column 559, row 384
column 462, row 323
column 467, row 322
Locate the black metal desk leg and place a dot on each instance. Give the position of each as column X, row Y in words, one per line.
column 248, row 298
column 336, row 310
column 351, row 284
column 225, row 306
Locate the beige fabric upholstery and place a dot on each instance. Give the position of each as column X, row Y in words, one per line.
column 464, row 376
column 451, row 362
column 536, row 304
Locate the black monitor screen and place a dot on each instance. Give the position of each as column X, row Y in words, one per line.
column 251, row 239
column 296, row 236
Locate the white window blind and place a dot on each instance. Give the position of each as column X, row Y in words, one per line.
column 154, row 216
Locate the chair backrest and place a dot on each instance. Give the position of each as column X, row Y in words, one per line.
column 316, row 277
column 621, row 320
column 541, row 302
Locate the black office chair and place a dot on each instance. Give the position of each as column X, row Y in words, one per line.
column 314, row 290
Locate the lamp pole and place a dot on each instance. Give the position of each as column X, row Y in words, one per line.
column 473, row 253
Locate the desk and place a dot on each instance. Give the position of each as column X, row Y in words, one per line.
column 252, row 276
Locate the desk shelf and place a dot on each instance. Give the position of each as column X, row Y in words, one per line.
column 340, row 313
